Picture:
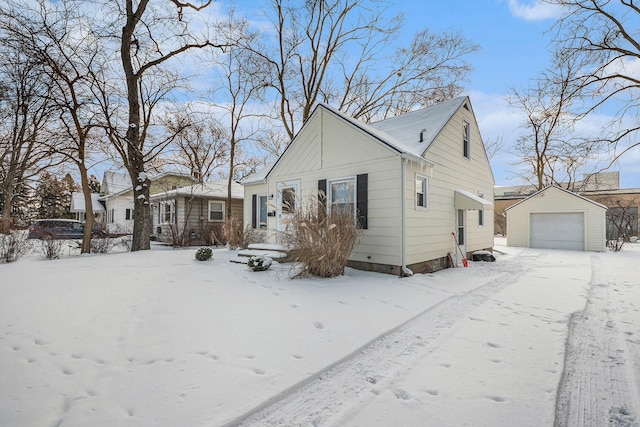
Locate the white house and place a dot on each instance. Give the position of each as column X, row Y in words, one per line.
column 80, row 210
column 420, row 184
column 555, row 218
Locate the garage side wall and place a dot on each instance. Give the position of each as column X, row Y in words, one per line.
column 554, row 200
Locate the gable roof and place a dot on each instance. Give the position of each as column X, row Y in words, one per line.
column 558, row 188
column 114, row 182
column 401, row 134
column 406, row 128
column 77, row 203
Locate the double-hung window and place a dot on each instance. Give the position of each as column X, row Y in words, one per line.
column 167, row 212
column 216, row 210
column 466, row 145
column 422, row 192
column 342, row 195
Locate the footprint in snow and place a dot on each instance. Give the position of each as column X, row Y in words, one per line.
column 401, row 394
column 318, row 325
column 258, row 371
column 493, row 345
column 297, row 356
column 432, row 392
column 498, row 399
column 293, row 305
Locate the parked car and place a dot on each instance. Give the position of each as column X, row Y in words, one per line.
column 61, row 229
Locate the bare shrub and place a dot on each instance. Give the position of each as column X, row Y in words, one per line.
column 51, row 248
column 102, row 245
column 252, row 235
column 321, row 243
column 13, row 246
column 216, row 234
column 233, row 232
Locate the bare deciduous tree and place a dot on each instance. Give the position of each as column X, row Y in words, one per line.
column 549, row 150
column 25, row 111
column 601, row 38
column 201, row 142
column 244, row 78
column 153, row 34
column 330, row 51
column 48, row 33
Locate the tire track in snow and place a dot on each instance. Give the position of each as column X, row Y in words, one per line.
column 327, row 393
column 598, row 385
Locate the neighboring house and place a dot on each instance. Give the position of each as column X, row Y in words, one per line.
column 188, row 215
column 116, row 193
column 604, row 187
column 79, row 209
column 412, row 181
column 555, row 218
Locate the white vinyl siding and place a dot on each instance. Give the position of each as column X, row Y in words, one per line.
column 344, row 151
column 429, row 233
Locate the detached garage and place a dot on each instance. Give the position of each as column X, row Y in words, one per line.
column 555, row 218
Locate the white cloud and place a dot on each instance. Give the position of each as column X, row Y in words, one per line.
column 536, row 11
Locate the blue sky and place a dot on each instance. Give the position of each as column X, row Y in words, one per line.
column 514, row 40
column 514, row 44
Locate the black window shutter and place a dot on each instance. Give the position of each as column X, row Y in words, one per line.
column 362, row 204
column 322, row 199
column 254, row 204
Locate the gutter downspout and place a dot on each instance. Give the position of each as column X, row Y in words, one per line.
column 405, row 272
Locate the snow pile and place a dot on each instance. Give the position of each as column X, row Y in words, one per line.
column 158, row 338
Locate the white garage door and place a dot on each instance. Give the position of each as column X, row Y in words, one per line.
column 557, row 231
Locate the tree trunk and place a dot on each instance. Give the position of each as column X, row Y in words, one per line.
column 141, row 208
column 7, row 194
column 88, row 204
column 140, row 181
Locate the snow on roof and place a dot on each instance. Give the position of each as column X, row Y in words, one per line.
column 400, row 133
column 77, row 203
column 260, row 175
column 600, row 205
column 212, row 189
column 406, row 128
column 115, row 182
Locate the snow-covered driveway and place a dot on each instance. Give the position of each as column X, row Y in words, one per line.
column 159, row 339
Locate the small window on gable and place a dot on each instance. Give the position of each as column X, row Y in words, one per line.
column 466, row 146
column 480, row 218
column 422, row 192
column 216, row 211
column 127, row 214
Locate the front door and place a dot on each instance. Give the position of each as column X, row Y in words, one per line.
column 287, row 202
column 461, row 235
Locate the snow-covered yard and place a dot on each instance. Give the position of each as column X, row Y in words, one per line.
column 159, row 339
